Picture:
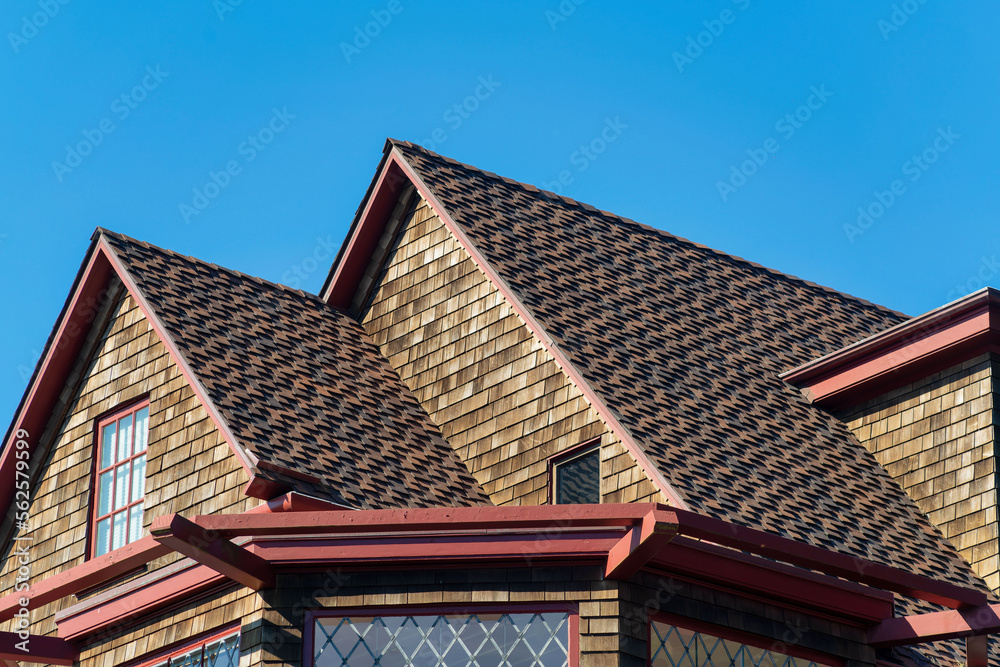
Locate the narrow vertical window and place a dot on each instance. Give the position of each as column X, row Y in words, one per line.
column 576, row 476
column 122, row 439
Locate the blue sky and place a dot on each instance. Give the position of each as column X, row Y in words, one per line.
column 758, row 128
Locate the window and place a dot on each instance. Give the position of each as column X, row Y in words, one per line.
column 122, row 439
column 672, row 646
column 443, row 640
column 576, row 476
column 220, row 650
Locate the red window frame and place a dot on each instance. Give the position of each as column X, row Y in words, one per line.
column 119, row 413
column 189, row 646
column 573, row 622
column 568, row 455
column 739, row 636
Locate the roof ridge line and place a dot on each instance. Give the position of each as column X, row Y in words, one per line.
column 548, row 194
column 218, row 267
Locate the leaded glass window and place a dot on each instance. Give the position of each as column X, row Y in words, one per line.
column 445, row 640
column 221, row 653
column 671, row 646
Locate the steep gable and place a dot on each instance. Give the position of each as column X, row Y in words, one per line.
column 499, row 397
column 300, row 387
column 189, row 469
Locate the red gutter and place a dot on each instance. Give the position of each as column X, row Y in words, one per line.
column 583, row 516
column 935, row 626
column 91, row 573
column 909, row 351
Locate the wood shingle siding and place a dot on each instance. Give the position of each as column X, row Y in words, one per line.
column 937, row 438
column 190, row 468
column 499, row 397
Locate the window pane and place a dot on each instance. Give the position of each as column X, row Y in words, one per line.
column 224, row 654
column 578, row 481
column 141, row 429
column 138, row 478
column 676, row 647
column 135, row 522
column 104, row 494
column 121, row 486
column 124, row 438
column 486, row 640
column 103, row 536
column 118, row 534
column 192, row 659
column 107, row 445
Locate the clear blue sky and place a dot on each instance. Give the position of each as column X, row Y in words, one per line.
column 694, row 90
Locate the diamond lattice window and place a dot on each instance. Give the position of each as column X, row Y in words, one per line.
column 447, row 640
column 221, row 653
column 676, row 647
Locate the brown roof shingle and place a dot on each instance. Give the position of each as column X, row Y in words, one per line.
column 685, row 344
column 300, row 385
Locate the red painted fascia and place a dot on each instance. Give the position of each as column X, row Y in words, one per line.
column 366, row 231
column 57, row 360
column 295, row 502
column 41, row 649
column 86, row 575
column 117, row 608
column 935, row 626
column 780, row 645
column 352, row 262
column 777, row 583
column 907, row 352
column 440, row 550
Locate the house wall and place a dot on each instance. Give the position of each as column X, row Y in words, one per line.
column 190, row 468
column 613, row 615
column 179, row 627
column 936, row 438
column 498, row 396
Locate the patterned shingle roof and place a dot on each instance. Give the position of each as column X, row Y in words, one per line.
column 685, row 344
column 300, row 385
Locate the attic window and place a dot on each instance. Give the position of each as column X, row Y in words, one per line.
column 576, row 475
column 122, row 439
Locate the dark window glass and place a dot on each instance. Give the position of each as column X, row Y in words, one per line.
column 578, row 480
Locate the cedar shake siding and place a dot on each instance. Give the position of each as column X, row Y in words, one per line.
column 499, row 397
column 936, row 437
column 190, row 468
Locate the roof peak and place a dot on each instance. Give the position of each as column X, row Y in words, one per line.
column 618, row 219
column 101, row 231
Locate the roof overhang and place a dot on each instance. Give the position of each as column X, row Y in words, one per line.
column 910, row 351
column 251, row 549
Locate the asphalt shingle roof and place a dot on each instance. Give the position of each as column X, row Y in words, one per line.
column 301, row 385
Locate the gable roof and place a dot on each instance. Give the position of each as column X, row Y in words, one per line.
column 302, row 394
column 684, row 345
